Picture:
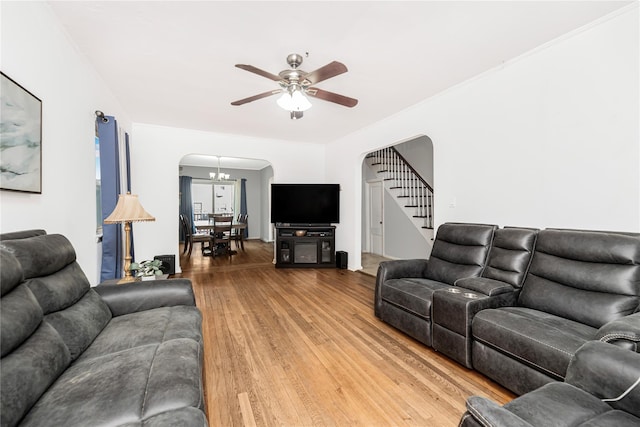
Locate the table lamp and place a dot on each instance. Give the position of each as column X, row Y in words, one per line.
column 128, row 210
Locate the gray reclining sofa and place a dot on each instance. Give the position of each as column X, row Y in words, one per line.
column 73, row 357
column 515, row 303
column 601, row 389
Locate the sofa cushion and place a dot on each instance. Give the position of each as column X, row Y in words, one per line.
column 459, row 250
column 81, row 323
column 510, row 255
column 22, row 234
column 19, row 318
column 11, row 274
column 537, row 339
column 589, row 277
column 412, row 295
column 61, row 289
column 124, row 387
column 28, row 371
column 41, row 255
column 557, row 404
column 147, row 327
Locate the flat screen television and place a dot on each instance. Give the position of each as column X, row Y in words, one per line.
column 305, row 204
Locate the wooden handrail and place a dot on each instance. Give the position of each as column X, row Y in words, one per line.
column 415, row 172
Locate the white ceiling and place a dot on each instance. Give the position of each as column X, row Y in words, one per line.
column 172, row 63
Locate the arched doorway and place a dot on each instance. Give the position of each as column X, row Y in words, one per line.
column 216, row 183
column 397, row 202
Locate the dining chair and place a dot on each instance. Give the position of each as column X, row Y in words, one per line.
column 185, row 233
column 222, row 228
column 192, row 238
column 237, row 233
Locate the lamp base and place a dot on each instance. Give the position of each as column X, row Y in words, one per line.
column 126, row 279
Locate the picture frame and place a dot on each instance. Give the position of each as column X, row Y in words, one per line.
column 20, row 138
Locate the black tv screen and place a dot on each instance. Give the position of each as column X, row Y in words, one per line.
column 305, row 203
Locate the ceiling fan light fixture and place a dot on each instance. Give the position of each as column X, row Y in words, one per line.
column 294, row 101
column 295, row 85
column 285, row 102
column 300, row 102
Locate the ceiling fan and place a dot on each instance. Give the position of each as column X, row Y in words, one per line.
column 295, row 84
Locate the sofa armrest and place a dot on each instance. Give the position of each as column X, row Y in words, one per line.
column 607, row 371
column 139, row 296
column 489, row 414
column 396, row 269
column 485, row 286
column 623, row 332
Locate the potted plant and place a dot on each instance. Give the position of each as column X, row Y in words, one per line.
column 147, row 270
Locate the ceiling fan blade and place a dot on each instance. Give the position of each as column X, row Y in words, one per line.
column 259, row 72
column 332, row 97
column 323, row 73
column 256, row 97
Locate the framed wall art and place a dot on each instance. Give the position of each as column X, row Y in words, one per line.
column 20, row 138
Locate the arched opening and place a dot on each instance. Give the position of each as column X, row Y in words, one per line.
column 397, row 202
column 231, row 185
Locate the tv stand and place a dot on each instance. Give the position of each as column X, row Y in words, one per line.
column 305, row 246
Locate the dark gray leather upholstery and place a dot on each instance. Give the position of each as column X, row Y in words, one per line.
column 540, row 297
column 70, row 358
column 509, row 259
column 598, row 272
column 624, row 332
column 454, row 309
column 22, row 234
column 597, row 371
column 577, row 283
column 459, row 250
column 405, row 288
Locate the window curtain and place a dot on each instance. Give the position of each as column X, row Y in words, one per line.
column 128, row 185
column 243, row 202
column 112, row 251
column 186, row 202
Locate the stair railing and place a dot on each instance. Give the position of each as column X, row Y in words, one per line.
column 414, row 188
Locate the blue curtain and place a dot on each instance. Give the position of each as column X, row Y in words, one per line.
column 128, row 184
column 186, row 202
column 243, row 202
column 112, row 251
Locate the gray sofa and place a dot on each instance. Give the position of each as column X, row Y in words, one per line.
column 601, row 389
column 404, row 288
column 524, row 311
column 72, row 355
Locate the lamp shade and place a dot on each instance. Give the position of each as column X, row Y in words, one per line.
column 128, row 209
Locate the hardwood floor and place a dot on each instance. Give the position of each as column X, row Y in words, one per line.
column 301, row 347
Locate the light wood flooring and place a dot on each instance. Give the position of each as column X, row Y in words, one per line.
column 301, row 347
column 370, row 263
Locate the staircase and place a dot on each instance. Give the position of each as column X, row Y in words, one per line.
column 412, row 192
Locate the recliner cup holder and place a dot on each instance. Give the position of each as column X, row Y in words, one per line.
column 453, row 290
column 470, row 295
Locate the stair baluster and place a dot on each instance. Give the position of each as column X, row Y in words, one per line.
column 412, row 186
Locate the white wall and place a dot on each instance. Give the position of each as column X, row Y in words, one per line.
column 266, row 227
column 37, row 54
column 419, row 154
column 548, row 140
column 155, row 156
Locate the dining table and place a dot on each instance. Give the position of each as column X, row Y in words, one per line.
column 209, row 226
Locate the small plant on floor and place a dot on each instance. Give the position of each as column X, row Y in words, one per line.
column 148, row 268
